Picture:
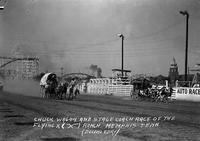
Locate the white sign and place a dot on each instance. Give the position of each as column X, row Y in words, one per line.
column 190, row 94
column 189, row 91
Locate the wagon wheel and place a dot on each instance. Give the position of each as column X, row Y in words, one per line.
column 42, row 92
column 46, row 93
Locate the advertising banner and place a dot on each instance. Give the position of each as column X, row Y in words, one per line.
column 185, row 93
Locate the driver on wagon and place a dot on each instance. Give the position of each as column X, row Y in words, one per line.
column 52, row 79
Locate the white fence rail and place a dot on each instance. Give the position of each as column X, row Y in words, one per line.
column 120, row 90
column 109, row 86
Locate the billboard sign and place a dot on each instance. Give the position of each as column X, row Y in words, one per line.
column 186, row 93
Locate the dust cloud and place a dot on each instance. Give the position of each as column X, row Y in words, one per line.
column 22, row 87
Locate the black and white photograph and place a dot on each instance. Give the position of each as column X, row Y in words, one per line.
column 99, row 70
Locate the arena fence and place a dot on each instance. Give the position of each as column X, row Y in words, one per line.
column 114, row 86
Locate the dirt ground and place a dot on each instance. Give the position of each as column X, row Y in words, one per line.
column 18, row 115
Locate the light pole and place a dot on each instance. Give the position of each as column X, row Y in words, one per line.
column 2, row 6
column 122, row 36
column 61, row 72
column 185, row 13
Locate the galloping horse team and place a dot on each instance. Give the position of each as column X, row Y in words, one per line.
column 51, row 88
column 155, row 94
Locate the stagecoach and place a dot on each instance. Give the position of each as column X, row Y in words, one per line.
column 146, row 90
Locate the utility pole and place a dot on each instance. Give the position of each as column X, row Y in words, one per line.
column 185, row 13
column 61, row 72
column 122, row 69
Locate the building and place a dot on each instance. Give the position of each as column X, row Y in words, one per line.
column 173, row 72
column 30, row 68
column 19, row 66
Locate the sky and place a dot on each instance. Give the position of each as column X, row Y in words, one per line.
column 74, row 34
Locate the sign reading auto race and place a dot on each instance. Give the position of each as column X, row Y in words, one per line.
column 183, row 93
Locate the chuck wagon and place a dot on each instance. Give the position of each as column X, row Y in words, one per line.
column 52, row 88
column 48, row 84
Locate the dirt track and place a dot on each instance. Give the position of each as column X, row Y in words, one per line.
column 18, row 112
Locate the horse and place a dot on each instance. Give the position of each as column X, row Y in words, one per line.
column 73, row 91
column 163, row 94
column 61, row 90
column 50, row 90
column 76, row 92
column 144, row 94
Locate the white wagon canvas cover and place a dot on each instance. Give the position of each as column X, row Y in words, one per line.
column 43, row 81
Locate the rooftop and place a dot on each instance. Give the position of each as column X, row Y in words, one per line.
column 121, row 70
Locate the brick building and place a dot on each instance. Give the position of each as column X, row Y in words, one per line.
column 173, row 72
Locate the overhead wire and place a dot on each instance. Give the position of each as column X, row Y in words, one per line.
column 156, row 32
column 83, row 47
